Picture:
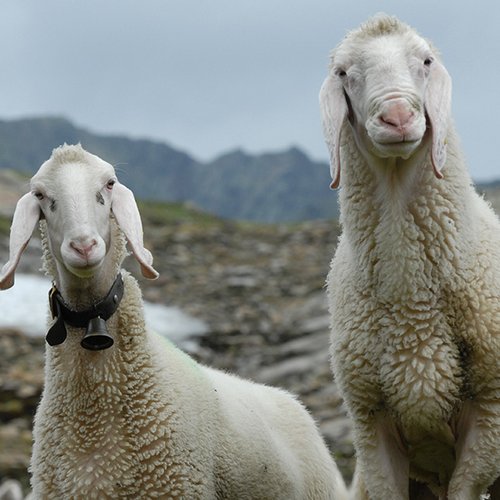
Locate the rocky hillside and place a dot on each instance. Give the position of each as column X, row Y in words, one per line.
column 12, row 186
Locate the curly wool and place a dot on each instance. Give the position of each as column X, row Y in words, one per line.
column 144, row 420
column 414, row 294
column 414, row 287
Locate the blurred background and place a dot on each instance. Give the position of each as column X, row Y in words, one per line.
column 209, row 111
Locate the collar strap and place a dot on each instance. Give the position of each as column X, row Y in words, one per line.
column 92, row 318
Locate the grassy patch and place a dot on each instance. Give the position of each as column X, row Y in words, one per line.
column 4, row 225
column 162, row 213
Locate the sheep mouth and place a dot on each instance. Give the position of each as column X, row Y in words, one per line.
column 387, row 136
column 83, row 262
column 393, row 142
column 391, row 149
column 83, row 269
column 396, row 123
column 398, row 142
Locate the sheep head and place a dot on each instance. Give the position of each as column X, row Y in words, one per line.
column 77, row 194
column 388, row 82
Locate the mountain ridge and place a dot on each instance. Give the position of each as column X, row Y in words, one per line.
column 283, row 186
column 270, row 187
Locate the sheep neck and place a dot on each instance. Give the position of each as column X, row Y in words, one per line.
column 83, row 373
column 82, row 293
column 104, row 308
column 403, row 231
column 100, row 312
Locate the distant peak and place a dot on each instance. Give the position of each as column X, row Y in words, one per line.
column 235, row 153
column 296, row 151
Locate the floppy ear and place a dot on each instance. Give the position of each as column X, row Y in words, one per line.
column 334, row 110
column 127, row 215
column 26, row 216
column 438, row 108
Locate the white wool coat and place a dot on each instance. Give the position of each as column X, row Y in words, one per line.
column 143, row 420
column 414, row 294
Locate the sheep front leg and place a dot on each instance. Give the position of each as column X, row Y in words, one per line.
column 478, row 445
column 382, row 465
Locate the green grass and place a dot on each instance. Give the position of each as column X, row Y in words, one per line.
column 4, row 225
column 163, row 213
column 159, row 213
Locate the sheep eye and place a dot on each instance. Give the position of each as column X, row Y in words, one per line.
column 341, row 73
column 428, row 61
column 38, row 195
column 110, row 184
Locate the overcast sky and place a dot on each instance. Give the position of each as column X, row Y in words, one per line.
column 207, row 76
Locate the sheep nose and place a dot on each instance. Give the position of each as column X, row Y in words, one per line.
column 396, row 114
column 83, row 248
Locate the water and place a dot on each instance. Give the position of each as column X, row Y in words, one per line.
column 24, row 307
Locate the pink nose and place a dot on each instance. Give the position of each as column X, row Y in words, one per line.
column 83, row 248
column 396, row 114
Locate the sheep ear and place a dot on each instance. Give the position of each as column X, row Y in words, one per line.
column 333, row 113
column 127, row 215
column 438, row 107
column 26, row 216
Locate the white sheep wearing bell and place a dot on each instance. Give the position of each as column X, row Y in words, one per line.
column 414, row 287
column 124, row 413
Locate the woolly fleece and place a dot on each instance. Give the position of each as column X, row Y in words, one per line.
column 144, row 420
column 414, row 294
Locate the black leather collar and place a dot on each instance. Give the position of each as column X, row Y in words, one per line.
column 103, row 310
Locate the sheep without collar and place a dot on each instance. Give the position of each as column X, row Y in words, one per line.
column 414, row 287
column 142, row 419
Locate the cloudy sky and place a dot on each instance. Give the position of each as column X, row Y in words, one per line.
column 207, row 76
